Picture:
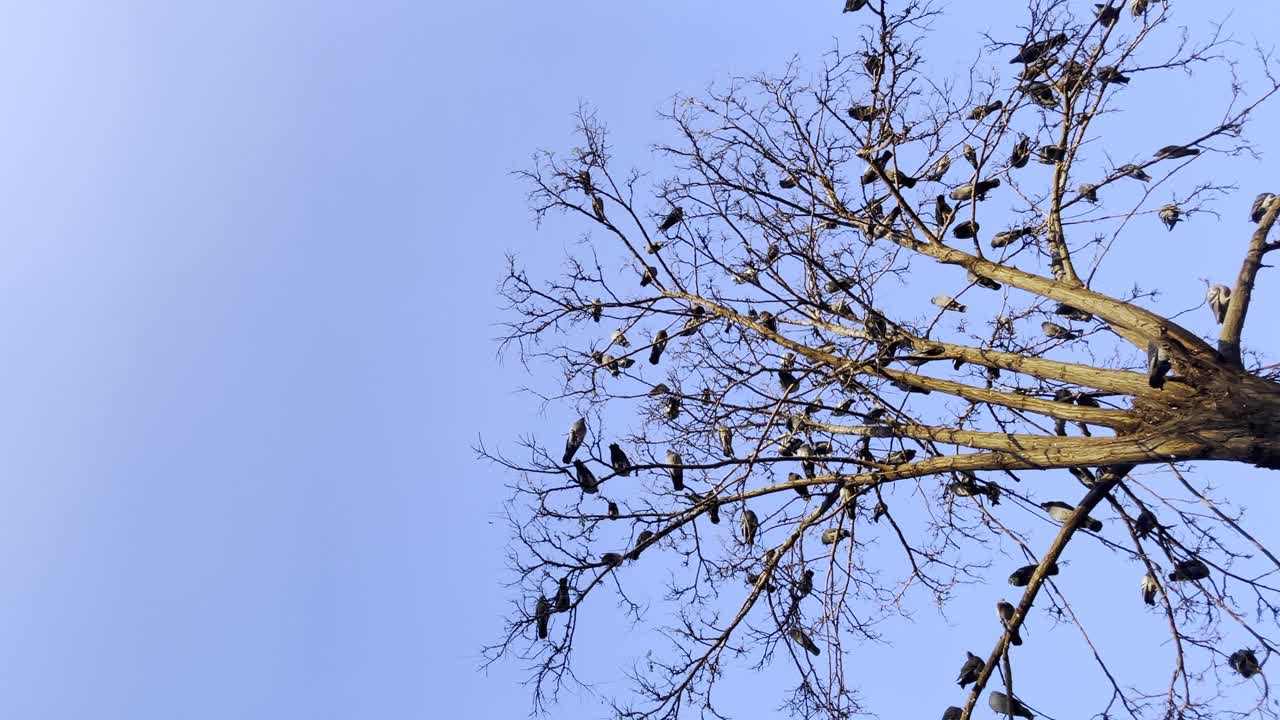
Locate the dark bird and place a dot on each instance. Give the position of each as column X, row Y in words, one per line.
column 597, row 310
column 977, row 190
column 1062, row 512
column 982, row 282
column 1245, row 663
column 659, row 390
column 1150, row 586
column 952, row 713
column 1021, row 153
column 1107, row 14
column 1022, row 576
column 1033, row 51
column 1191, row 569
column 879, row 511
column 618, row 460
column 801, row 490
column 871, row 174
column 1158, row 364
column 1145, row 524
column 754, row 578
column 586, row 480
column 749, row 524
column 671, row 408
column 1173, row 152
column 938, row 169
column 649, row 275
column 562, row 596
column 909, row 388
column 972, row 668
column 672, row 219
column 1170, row 215
column 831, row 536
column 644, row 537
column 577, row 433
column 874, row 65
column 1041, row 93
column 613, row 510
column 942, row 212
column 946, row 302
column 965, row 230
column 658, row 347
column 982, row 111
column 611, row 559
column 1006, row 237
column 854, row 5
column 1003, row 705
column 804, row 641
column 1261, row 204
column 842, row 409
column 899, row 457
column 786, row 378
column 787, row 182
column 677, row 470
column 1219, row 298
column 1005, row 612
column 597, row 208
column 970, row 154
column 1057, row 332
column 862, row 113
column 1088, row 193
column 1072, row 313
column 1109, row 74
column 805, row 586
column 1050, row 154
column 897, row 177
column 542, row 613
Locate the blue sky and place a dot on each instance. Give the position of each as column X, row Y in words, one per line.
column 250, row 252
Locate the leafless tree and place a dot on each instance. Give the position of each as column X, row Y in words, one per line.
column 864, row 304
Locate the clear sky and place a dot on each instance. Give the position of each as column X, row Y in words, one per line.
column 250, row 249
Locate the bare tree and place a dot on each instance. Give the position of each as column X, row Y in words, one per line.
column 804, row 374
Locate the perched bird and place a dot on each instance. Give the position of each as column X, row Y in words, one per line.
column 653, row 247
column 613, row 510
column 1173, row 152
column 875, row 166
column 618, row 460
column 1050, row 154
column 977, row 190
column 1057, row 332
column 842, row 409
column 879, row 511
column 657, row 347
column 1261, row 204
column 1107, row 14
column 753, row 579
column 611, row 559
column 831, row 536
column 1133, row 171
column 1245, row 663
column 946, row 302
column 787, row 182
column 562, row 596
column 874, row 65
column 1088, row 193
column 644, row 537
column 982, row 111
column 801, row 489
column 1072, row 313
column 1033, row 51
column 1138, row 7
column 671, row 408
column 1022, row 576
column 952, row 713
column 972, row 668
column 1170, row 215
column 749, row 524
column 1021, row 153
column 597, row 310
column 677, row 470
column 942, row 212
column 804, row 641
column 899, row 457
column 577, row 433
column 897, row 177
column 542, row 613
column 1192, row 569
column 1219, row 298
column 1006, row 237
column 909, row 388
column 1145, row 524
column 1150, row 586
column 805, row 586
column 938, row 169
column 649, row 275
column 1005, row 612
column 854, row 5
column 965, row 230
column 597, row 208
column 970, row 154
column 1158, row 364
column 725, row 435
column 1041, row 93
column 586, row 480
column 672, row 219
column 619, row 339
column 1003, row 705
column 838, row 285
column 659, row 390
column 1062, row 512
column 1110, row 74
column 982, row 282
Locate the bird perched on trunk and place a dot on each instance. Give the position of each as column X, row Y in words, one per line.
column 1057, row 332
column 1004, row 705
column 965, row 230
column 1022, row 576
column 577, row 433
column 942, row 212
column 970, row 154
column 1192, row 569
column 749, row 524
column 1150, row 586
column 1033, row 51
column 677, row 470
column 804, row 641
column 672, row 219
column 658, row 347
column 972, row 668
column 1261, row 204
column 805, row 585
column 725, row 435
column 977, row 190
column 1174, row 152
column 854, row 5
column 644, row 537
column 1072, row 313
column 1110, row 74
column 900, row 457
column 1062, row 512
column 1219, row 298
column 1170, row 215
column 946, row 302
column 1158, row 364
column 542, row 613
column 1107, row 14
column 618, row 460
column 586, row 480
column 1245, row 663
column 1133, row 171
column 831, row 536
column 1021, row 153
column 982, row 282
column 982, row 111
column 1050, row 154
column 1005, row 612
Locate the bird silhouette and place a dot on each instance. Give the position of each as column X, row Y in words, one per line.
column 1033, row 51
column 965, row 230
column 972, row 668
column 803, row 640
column 1150, row 586
column 562, row 596
column 542, row 613
column 1186, row 570
column 1021, row 153
column 577, row 433
column 1005, row 705
column 1170, row 215
column 1005, row 612
column 672, row 219
column 586, row 480
column 946, row 302
column 1245, row 663
column 831, row 536
column 749, row 524
column 1174, row 152
column 1022, row 576
column 1261, row 204
column 1107, row 14
column 1057, row 332
column 618, row 460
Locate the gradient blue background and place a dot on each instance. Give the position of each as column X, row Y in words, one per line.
column 249, row 255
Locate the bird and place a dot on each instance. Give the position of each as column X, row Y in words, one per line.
column 672, row 219
column 1021, row 153
column 900, row 457
column 787, row 182
column 897, row 177
column 1145, row 524
column 804, row 641
column 611, row 559
column 597, row 309
column 805, row 586
column 977, row 190
column 982, row 282
column 562, row 596
column 842, row 409
column 1219, row 298
column 1033, row 51
column 952, row 713
column 618, row 460
column 577, row 433
column 1170, row 215
column 1150, row 586
column 1062, row 512
column 801, row 489
column 1245, row 663
column 586, row 480
column 970, row 154
column 597, row 207
column 1158, row 364
column 768, row 321
column 648, row 276
column 1110, row 74
column 1022, row 576
column 659, row 390
column 879, row 511
column 1003, row 705
column 909, row 388
column 1174, row 152
column 749, row 524
column 946, row 302
column 831, row 536
column 1006, row 237
column 644, row 537
column 871, row 174
column 619, row 339
column 874, row 65
column 671, row 408
column 1133, row 171
column 965, row 230
column 725, row 435
column 972, row 668
column 1057, row 332
column 542, row 613
column 658, row 346
column 1005, row 612
column 653, row 247
column 938, row 169
column 1138, row 7
column 854, row 5
column 982, row 111
column 754, row 578
column 1072, row 313
column 613, row 510
column 1261, row 204
column 1050, row 154
column 677, row 470
column 942, row 212
column 1107, row 14
column 1088, row 193
column 1192, row 569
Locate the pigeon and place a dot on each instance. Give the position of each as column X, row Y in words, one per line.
column 1261, row 204
column 854, row 5
column 870, row 175
column 1088, row 193
column 1033, row 51
column 562, row 596
column 1133, row 171
column 879, row 511
column 805, row 642
column 653, row 247
column 1192, row 569
column 1022, row 576
column 597, row 208
column 749, row 524
column 1050, row 154
column 942, row 212
column 619, row 339
column 1005, row 612
column 725, row 435
column 982, row 282
column 946, row 302
column 909, row 388
column 677, row 470
column 899, row 457
column 649, row 275
column 1170, row 215
column 805, row 586
column 577, row 433
column 1150, row 586
column 1219, row 298
column 980, row 112
column 542, row 613
column 938, row 169
column 644, row 537
column 754, row 578
column 1138, row 7
column 897, row 177
column 1062, row 512
column 952, row 713
column 586, row 480
column 672, row 219
column 659, row 390
column 1057, row 332
column 965, row 230
column 1145, row 524
column 1158, row 364
column 1174, row 152
column 671, row 408
column 658, row 347
column 874, row 66
column 613, row 511
column 801, row 490
column 1072, row 313
column 1109, row 74
column 1002, row 239
column 1107, row 14
column 837, row 285
column 970, row 154
column 977, row 190
column 972, row 668
column 1021, row 153
column 611, row 559
column 831, row 536
column 597, row 309
column 618, row 460
column 1245, row 663
column 787, row 182
column 1005, row 706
